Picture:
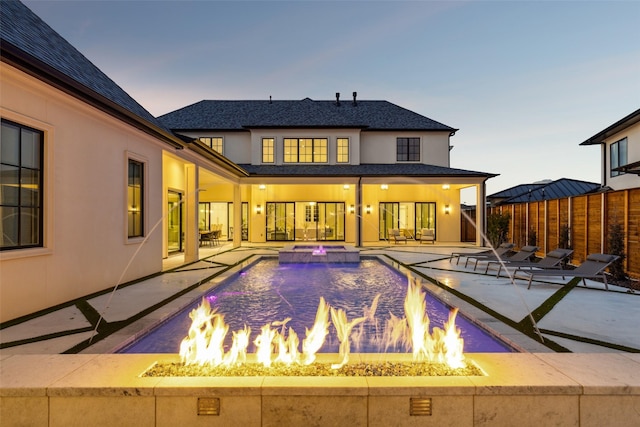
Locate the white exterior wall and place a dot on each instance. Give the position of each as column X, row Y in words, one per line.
column 627, row 180
column 86, row 248
column 380, row 147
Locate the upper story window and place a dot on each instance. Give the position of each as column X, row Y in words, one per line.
column 135, row 193
column 618, row 156
column 305, row 150
column 21, row 186
column 214, row 143
column 268, row 148
column 342, row 150
column 408, row 149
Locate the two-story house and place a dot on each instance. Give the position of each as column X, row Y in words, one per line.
column 620, row 152
column 95, row 191
column 329, row 170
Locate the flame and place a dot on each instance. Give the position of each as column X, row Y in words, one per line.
column 317, row 334
column 204, row 343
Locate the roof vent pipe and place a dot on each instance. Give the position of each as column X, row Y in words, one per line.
column 338, row 99
column 355, row 94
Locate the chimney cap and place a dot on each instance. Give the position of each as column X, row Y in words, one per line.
column 355, row 94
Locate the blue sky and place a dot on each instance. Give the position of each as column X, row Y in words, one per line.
column 525, row 82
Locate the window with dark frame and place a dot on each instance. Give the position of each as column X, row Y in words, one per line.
column 408, row 149
column 215, row 143
column 135, row 193
column 21, row 187
column 305, row 150
column 342, row 150
column 268, row 145
column 618, row 156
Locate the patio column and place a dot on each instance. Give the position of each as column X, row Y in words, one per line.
column 481, row 214
column 237, row 215
column 191, row 237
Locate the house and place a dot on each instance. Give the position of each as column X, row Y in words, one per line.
column 96, row 192
column 333, row 170
column 620, row 152
column 540, row 191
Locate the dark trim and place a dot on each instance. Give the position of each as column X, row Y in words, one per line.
column 618, row 126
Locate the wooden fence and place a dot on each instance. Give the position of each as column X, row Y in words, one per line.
column 588, row 219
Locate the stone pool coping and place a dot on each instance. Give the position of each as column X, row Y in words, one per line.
column 521, row 389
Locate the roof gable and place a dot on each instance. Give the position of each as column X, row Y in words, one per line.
column 306, row 113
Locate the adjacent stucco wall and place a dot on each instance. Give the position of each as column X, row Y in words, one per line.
column 85, row 246
column 624, row 181
column 380, row 147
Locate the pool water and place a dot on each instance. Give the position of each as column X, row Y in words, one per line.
column 269, row 291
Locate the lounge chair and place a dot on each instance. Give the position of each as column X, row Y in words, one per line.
column 394, row 234
column 553, row 260
column 428, row 235
column 592, row 268
column 525, row 253
column 501, row 250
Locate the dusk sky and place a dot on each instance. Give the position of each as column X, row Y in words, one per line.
column 525, row 82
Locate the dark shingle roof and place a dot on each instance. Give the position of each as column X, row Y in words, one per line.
column 560, row 188
column 241, row 115
column 411, row 169
column 23, row 33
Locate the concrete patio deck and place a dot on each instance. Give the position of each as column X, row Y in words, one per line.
column 533, row 388
column 585, row 320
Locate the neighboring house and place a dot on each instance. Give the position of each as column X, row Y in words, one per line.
column 330, row 170
column 620, row 148
column 95, row 191
column 540, row 191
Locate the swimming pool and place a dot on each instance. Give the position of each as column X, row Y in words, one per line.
column 269, row 291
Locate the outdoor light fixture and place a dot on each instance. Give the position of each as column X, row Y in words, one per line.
column 384, row 187
column 262, row 186
column 258, row 209
column 352, row 209
column 368, row 209
column 447, row 209
column 445, row 186
column 346, row 186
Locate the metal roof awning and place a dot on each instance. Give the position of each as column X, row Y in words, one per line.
column 629, row 168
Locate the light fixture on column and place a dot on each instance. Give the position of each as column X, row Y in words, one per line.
column 352, row 209
column 258, row 209
column 447, row 209
column 368, row 209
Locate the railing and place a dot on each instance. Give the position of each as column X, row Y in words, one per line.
column 588, row 218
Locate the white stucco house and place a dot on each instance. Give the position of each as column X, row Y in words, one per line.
column 620, row 152
column 90, row 180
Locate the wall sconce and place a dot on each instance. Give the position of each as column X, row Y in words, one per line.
column 445, row 186
column 352, row 209
column 346, row 186
column 258, row 209
column 447, row 209
column 384, row 187
column 262, row 186
column 368, row 209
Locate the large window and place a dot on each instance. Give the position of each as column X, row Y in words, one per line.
column 21, row 186
column 214, row 143
column 342, row 150
column 305, row 150
column 135, row 192
column 618, row 156
column 268, row 150
column 408, row 149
